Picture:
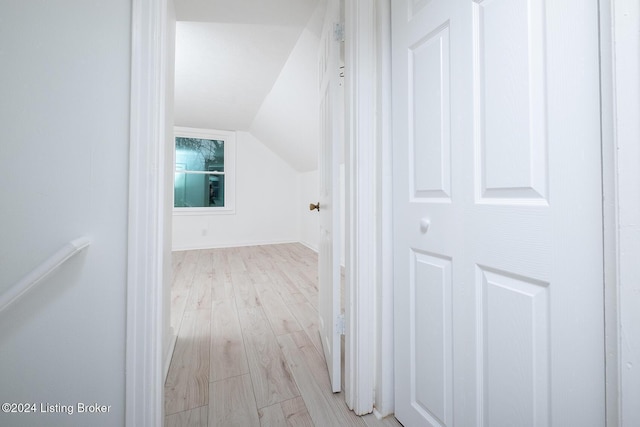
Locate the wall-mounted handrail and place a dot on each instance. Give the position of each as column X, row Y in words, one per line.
column 42, row 271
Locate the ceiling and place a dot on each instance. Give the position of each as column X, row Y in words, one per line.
column 294, row 13
column 250, row 65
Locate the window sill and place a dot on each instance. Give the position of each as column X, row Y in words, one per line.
column 203, row 211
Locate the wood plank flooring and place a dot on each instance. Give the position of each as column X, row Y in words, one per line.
column 248, row 351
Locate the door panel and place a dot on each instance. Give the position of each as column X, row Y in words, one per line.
column 510, row 98
column 424, row 164
column 430, row 328
column 329, row 175
column 514, row 336
column 497, row 213
column 429, row 124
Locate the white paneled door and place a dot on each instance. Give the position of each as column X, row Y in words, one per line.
column 331, row 135
column 497, row 213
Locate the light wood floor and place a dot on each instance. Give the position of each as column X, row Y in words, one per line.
column 248, row 351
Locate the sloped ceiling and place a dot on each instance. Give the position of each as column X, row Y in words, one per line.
column 224, row 71
column 250, row 65
column 288, row 119
column 293, row 13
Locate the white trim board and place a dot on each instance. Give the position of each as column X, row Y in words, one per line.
column 144, row 393
column 170, row 349
column 609, row 221
column 369, row 359
column 308, row 245
column 362, row 195
column 620, row 89
column 384, row 402
column 626, row 27
column 237, row 245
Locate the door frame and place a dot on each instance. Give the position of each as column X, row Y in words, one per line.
column 359, row 210
column 369, row 320
column 146, row 313
column 369, row 383
column 620, row 92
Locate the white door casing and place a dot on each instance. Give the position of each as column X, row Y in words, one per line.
column 497, row 213
column 144, row 393
column 331, row 136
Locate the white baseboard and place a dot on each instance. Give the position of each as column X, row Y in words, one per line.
column 232, row 245
column 169, row 355
column 314, row 249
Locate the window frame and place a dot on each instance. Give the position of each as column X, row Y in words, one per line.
column 229, row 138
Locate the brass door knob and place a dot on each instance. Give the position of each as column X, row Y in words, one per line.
column 316, row 206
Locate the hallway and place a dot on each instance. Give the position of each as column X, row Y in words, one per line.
column 248, row 351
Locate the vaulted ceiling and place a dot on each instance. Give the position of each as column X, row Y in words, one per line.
column 250, row 65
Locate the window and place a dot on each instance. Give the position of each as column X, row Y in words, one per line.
column 204, row 171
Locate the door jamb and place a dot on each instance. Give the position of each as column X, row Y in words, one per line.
column 612, row 388
column 620, row 91
column 369, row 250
column 360, row 209
column 384, row 390
column 144, row 376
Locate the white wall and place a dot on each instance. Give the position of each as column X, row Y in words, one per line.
column 64, row 112
column 266, row 204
